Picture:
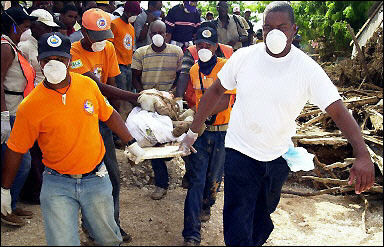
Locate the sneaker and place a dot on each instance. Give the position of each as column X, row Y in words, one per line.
column 159, row 193
column 12, row 219
column 23, row 213
column 126, row 237
column 205, row 216
column 191, row 242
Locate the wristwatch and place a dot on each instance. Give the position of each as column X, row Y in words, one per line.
column 131, row 142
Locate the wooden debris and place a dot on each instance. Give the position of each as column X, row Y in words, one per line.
column 377, row 159
column 336, row 141
column 346, row 163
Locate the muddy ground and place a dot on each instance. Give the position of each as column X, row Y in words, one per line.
column 319, row 220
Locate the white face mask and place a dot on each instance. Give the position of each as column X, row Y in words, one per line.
column 132, row 19
column 55, row 71
column 204, row 55
column 158, row 40
column 99, row 46
column 276, row 41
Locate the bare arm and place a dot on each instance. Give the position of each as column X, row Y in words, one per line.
column 7, row 56
column 362, row 170
column 222, row 104
column 117, row 125
column 114, row 102
column 208, row 104
column 136, row 80
column 181, row 84
column 11, row 165
column 114, row 92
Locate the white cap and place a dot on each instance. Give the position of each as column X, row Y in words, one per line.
column 236, row 9
column 44, row 17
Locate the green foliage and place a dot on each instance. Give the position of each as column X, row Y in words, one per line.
column 326, row 21
column 323, row 21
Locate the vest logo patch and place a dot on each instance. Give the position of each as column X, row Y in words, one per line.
column 76, row 64
column 127, row 41
column 88, row 107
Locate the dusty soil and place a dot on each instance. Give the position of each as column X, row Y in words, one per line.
column 319, row 220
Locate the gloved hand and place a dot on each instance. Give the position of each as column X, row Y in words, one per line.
column 179, row 102
column 6, row 201
column 5, row 126
column 137, row 151
column 187, row 142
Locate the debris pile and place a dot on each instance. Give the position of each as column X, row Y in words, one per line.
column 141, row 175
column 350, row 72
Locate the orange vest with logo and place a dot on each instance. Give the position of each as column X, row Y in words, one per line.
column 223, row 116
column 27, row 69
column 190, row 92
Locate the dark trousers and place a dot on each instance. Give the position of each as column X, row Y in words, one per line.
column 251, row 193
column 205, row 167
column 160, row 172
column 111, row 164
column 32, row 186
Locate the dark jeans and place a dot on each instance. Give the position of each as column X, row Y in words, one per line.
column 251, row 193
column 21, row 174
column 124, row 80
column 160, row 172
column 204, row 169
column 111, row 164
column 32, row 186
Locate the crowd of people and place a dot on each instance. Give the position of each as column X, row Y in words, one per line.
column 67, row 67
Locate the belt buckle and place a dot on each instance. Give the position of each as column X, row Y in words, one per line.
column 76, row 176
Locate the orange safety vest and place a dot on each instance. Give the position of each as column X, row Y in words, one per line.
column 27, row 69
column 190, row 92
column 206, row 81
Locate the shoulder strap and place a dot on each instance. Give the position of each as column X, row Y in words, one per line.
column 238, row 21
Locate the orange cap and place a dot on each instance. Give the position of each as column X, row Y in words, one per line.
column 97, row 24
column 96, row 20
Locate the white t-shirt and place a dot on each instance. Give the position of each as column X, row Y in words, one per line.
column 270, row 94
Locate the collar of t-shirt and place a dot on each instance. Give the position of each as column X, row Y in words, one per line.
column 277, row 59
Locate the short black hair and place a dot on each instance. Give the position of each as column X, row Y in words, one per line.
column 210, row 24
column 69, row 7
column 280, row 6
column 153, row 3
column 209, row 13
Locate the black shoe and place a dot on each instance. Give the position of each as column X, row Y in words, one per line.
column 205, row 215
column 126, row 237
column 185, row 182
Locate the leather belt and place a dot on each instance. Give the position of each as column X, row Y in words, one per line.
column 85, row 174
column 222, row 127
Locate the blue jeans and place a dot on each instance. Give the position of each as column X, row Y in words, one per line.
column 111, row 164
column 251, row 193
column 124, row 80
column 62, row 197
column 204, row 169
column 160, row 172
column 22, row 173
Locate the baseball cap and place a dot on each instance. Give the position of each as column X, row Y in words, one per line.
column 206, row 34
column 132, row 7
column 54, row 44
column 247, row 10
column 16, row 14
column 44, row 17
column 97, row 24
column 236, row 9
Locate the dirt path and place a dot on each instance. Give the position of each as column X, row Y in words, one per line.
column 319, row 220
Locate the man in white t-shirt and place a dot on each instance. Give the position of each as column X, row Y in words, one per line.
column 273, row 81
